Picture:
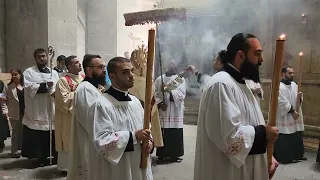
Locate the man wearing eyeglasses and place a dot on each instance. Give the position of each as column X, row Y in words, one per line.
column 86, row 94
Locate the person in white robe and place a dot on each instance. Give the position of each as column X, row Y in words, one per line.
column 232, row 135
column 256, row 90
column 171, row 110
column 289, row 147
column 116, row 132
column 64, row 95
column 39, row 88
column 87, row 92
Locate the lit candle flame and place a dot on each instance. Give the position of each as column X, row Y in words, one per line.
column 282, row 36
column 301, row 54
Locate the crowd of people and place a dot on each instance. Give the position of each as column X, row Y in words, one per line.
column 96, row 129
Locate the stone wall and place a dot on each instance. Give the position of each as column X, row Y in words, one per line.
column 26, row 30
column 62, row 26
column 38, row 24
column 102, row 28
column 2, row 36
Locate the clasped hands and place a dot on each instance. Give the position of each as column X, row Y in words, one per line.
column 145, row 135
column 296, row 114
column 49, row 84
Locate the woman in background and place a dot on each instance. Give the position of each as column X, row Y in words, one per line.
column 15, row 103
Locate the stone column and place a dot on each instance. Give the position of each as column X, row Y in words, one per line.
column 62, row 26
column 2, row 36
column 102, row 28
column 32, row 24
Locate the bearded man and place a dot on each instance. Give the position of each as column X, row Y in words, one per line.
column 87, row 92
column 232, row 136
column 289, row 147
column 39, row 87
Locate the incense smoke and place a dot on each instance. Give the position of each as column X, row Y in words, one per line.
column 210, row 27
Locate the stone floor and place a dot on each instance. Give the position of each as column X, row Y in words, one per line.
column 21, row 169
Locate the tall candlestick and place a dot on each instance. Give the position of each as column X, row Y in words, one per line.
column 298, row 100
column 300, row 71
column 273, row 103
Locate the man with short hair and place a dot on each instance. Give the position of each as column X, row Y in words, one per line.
column 232, row 136
column 289, row 147
column 65, row 91
column 116, row 129
column 86, row 93
column 39, row 109
column 61, row 65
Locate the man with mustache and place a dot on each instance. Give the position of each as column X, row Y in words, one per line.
column 87, row 92
column 232, row 135
column 289, row 147
column 116, row 134
column 39, row 109
column 65, row 91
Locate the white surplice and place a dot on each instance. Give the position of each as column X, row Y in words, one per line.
column 112, row 121
column 40, row 108
column 228, row 111
column 173, row 116
column 84, row 97
column 287, row 98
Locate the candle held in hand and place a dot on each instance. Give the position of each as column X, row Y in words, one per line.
column 273, row 103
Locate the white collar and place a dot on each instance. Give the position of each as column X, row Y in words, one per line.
column 125, row 92
column 233, row 67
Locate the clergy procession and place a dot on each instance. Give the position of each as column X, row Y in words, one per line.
column 104, row 116
column 88, row 118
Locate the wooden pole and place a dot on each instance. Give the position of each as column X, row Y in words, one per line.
column 298, row 102
column 273, row 103
column 300, row 71
column 148, row 96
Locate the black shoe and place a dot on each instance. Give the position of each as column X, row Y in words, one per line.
column 303, row 158
column 16, row 155
column 63, row 173
column 2, row 146
column 176, row 159
column 42, row 162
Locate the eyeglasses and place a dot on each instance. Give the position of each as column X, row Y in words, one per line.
column 101, row 66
